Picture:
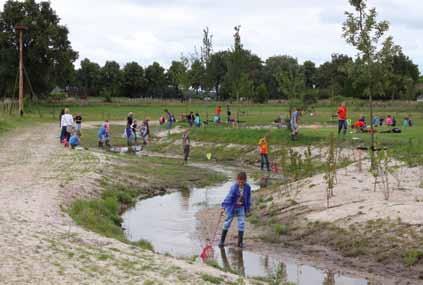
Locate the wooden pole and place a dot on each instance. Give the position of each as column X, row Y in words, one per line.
column 21, row 74
column 21, row 29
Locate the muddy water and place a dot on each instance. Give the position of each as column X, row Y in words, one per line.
column 169, row 222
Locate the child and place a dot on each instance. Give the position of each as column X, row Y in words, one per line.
column 134, row 127
column 264, row 152
column 191, row 119
column 102, row 135
column 170, row 119
column 129, row 135
column 78, row 122
column 342, row 119
column 237, row 203
column 74, row 140
column 145, row 132
column 186, row 144
column 295, row 116
column 197, row 120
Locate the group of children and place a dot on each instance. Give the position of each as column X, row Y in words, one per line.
column 70, row 129
column 133, row 131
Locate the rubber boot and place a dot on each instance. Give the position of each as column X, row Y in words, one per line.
column 240, row 239
column 222, row 238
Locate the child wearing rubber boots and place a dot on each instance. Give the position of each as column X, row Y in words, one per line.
column 236, row 204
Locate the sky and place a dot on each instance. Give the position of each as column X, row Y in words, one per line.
column 162, row 30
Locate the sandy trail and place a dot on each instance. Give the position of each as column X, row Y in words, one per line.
column 40, row 244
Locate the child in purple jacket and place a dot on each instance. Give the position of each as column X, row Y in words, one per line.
column 236, row 204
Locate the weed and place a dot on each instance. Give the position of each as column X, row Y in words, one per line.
column 280, row 229
column 412, row 257
column 212, row 279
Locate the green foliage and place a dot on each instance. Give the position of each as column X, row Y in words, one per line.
column 261, row 95
column 412, row 257
column 280, row 229
column 212, row 279
column 330, row 169
column 43, row 36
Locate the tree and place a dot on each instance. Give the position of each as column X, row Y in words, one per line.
column 363, row 31
column 261, row 94
column 111, row 78
column 178, row 76
column 88, row 77
column 156, row 80
column 310, row 74
column 197, row 75
column 274, row 68
column 291, row 83
column 207, row 48
column 246, row 87
column 49, row 56
column 216, row 70
column 134, row 83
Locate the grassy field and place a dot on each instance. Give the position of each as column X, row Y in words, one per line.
column 319, row 124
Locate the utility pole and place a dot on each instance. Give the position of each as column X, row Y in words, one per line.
column 20, row 29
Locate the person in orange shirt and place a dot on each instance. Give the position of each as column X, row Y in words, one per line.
column 263, row 146
column 342, row 119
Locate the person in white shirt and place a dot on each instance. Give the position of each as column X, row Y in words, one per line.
column 67, row 125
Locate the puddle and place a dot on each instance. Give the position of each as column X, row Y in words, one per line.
column 169, row 222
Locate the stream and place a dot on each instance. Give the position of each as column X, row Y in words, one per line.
column 169, row 222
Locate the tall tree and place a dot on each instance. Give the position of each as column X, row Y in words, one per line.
column 49, row 56
column 207, row 48
column 88, row 77
column 216, row 70
column 111, row 78
column 197, row 75
column 156, row 80
column 363, row 31
column 178, row 76
column 134, row 83
column 310, row 74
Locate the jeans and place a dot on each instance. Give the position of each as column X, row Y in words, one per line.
column 342, row 126
column 78, row 127
column 62, row 134
column 265, row 161
column 240, row 214
column 169, row 124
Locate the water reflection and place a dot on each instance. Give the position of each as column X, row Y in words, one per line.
column 169, row 222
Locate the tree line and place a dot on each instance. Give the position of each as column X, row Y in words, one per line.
column 233, row 74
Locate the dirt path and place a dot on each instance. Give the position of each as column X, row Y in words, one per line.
column 40, row 244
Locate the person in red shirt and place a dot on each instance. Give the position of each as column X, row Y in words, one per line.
column 342, row 119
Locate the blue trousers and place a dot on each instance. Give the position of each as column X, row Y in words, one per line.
column 240, row 214
column 342, row 126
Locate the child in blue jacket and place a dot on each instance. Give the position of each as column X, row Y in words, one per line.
column 236, row 204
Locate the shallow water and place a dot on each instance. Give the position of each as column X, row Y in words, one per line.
column 169, row 222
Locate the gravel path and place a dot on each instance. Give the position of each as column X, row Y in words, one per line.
column 39, row 242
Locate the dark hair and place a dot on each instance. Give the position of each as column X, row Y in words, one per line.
column 242, row 176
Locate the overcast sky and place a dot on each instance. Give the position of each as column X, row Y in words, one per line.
column 161, row 30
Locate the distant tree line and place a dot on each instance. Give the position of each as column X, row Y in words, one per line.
column 233, row 74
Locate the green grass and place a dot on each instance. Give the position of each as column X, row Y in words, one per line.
column 129, row 178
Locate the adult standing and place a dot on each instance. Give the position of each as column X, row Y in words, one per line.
column 67, row 125
column 342, row 119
